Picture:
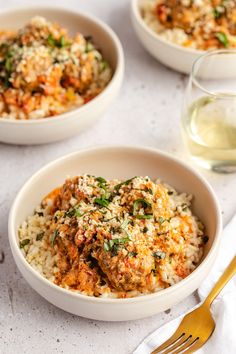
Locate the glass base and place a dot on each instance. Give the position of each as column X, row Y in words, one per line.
column 216, row 166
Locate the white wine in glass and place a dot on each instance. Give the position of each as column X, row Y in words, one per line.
column 209, row 114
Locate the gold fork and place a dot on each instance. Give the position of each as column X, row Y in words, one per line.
column 197, row 326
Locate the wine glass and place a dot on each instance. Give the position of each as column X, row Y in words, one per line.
column 209, row 111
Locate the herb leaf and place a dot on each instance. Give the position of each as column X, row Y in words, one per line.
column 117, row 187
column 124, row 227
column 159, row 255
column 216, row 13
column 145, row 204
column 62, row 42
column 89, row 47
column 74, row 212
column 133, row 254
column 24, row 242
column 222, row 38
column 51, row 40
column 144, row 216
column 103, row 65
column 53, row 237
column 8, row 64
column 101, row 180
column 109, row 245
column 161, row 220
column 102, row 201
column 39, row 236
column 106, row 246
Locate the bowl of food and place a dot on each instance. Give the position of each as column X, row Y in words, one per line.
column 177, row 33
column 115, row 233
column 60, row 70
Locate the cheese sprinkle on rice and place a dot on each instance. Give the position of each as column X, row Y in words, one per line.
column 45, row 72
column 198, row 24
column 113, row 238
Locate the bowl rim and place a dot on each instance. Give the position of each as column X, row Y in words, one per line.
column 118, row 70
column 135, row 10
column 142, row 298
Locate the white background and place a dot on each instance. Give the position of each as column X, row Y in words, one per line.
column 147, row 112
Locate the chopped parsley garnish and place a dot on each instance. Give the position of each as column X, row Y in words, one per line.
column 89, row 47
column 51, row 40
column 74, row 212
column 24, row 242
column 101, row 182
column 125, row 183
column 145, row 204
column 124, row 227
column 60, row 43
column 8, row 67
column 205, row 239
column 161, row 220
column 124, row 224
column 39, row 236
column 104, row 202
column 106, row 247
column 133, row 254
column 222, row 38
column 8, row 64
column 159, row 255
column 216, row 13
column 144, row 216
column 54, row 236
column 103, row 65
column 113, row 243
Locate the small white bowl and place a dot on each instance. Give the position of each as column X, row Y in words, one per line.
column 122, row 163
column 56, row 128
column 172, row 55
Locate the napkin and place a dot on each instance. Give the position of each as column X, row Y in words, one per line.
column 223, row 339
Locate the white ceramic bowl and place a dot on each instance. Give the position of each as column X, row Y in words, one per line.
column 169, row 54
column 123, row 163
column 47, row 130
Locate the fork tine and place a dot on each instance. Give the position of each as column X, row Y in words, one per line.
column 187, row 345
column 177, row 335
column 177, row 345
column 198, row 344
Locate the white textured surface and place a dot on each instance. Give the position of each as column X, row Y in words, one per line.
column 146, row 113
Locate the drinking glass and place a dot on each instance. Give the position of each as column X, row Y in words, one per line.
column 209, row 111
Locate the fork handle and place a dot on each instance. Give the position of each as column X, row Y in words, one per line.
column 225, row 277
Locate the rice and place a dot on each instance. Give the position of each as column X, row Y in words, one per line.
column 113, row 238
column 45, row 72
column 198, row 24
